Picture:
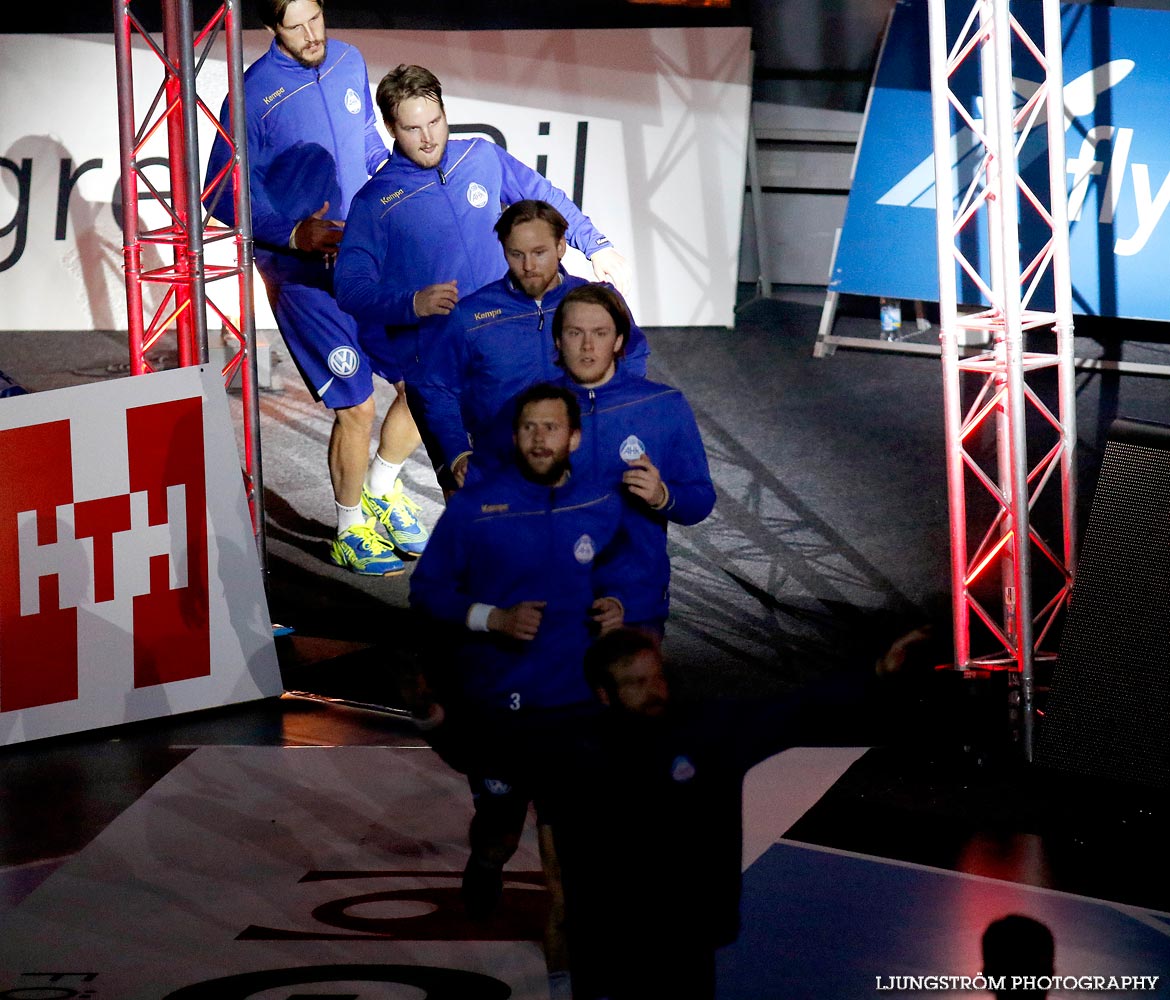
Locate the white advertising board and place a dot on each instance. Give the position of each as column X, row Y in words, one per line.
column 130, row 585
column 647, row 126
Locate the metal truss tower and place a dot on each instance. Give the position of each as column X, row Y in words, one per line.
column 1010, row 456
column 170, row 123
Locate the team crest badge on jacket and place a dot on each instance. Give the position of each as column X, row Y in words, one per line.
column 477, row 195
column 583, row 551
column 353, row 103
column 631, row 449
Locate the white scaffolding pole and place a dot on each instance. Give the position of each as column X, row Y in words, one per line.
column 1007, row 580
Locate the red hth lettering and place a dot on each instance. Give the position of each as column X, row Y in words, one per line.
column 38, row 652
column 148, row 547
column 172, row 637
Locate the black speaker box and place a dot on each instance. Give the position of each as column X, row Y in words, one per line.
column 1108, row 712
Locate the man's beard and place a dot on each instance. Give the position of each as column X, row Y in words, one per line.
column 314, row 63
column 556, row 472
column 538, row 288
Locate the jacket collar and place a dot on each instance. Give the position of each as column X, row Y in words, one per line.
column 614, row 384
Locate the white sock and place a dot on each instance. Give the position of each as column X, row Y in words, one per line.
column 382, row 475
column 347, row 517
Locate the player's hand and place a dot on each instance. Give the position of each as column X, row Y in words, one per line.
column 436, row 300
column 459, row 470
column 611, row 266
column 520, row 621
column 644, row 481
column 608, row 613
column 317, row 234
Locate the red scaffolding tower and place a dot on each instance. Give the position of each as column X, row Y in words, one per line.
column 1006, row 577
column 178, row 109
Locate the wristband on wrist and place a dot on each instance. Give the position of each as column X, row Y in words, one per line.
column 477, row 617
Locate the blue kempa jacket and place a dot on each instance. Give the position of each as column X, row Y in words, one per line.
column 411, row 227
column 508, row 540
column 495, row 344
column 627, row 417
column 312, row 138
column 621, row 420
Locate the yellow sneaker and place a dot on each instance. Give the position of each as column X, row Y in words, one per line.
column 398, row 515
column 364, row 551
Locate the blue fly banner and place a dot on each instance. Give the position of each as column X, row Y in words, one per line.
column 1116, row 92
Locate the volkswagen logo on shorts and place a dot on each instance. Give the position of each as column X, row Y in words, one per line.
column 477, row 194
column 344, row 361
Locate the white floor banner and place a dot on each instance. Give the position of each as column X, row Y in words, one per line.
column 272, row 872
column 252, row 870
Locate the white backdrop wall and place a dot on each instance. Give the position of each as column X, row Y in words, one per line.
column 667, row 122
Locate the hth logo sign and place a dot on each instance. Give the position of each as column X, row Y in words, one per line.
column 59, row 556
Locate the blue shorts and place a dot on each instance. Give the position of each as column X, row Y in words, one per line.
column 325, row 345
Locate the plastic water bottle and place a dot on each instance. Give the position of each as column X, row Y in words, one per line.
column 10, row 388
column 891, row 315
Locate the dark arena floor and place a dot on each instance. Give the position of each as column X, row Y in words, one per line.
column 302, row 846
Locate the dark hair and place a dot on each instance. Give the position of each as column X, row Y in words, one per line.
column 529, row 210
column 546, row 390
column 1016, row 945
column 618, row 646
column 402, row 84
column 597, row 295
column 272, row 11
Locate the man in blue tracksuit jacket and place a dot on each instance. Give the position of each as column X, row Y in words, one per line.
column 638, row 438
column 420, row 233
column 642, row 433
column 646, row 908
column 496, row 341
column 513, row 567
column 517, row 538
column 312, row 143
